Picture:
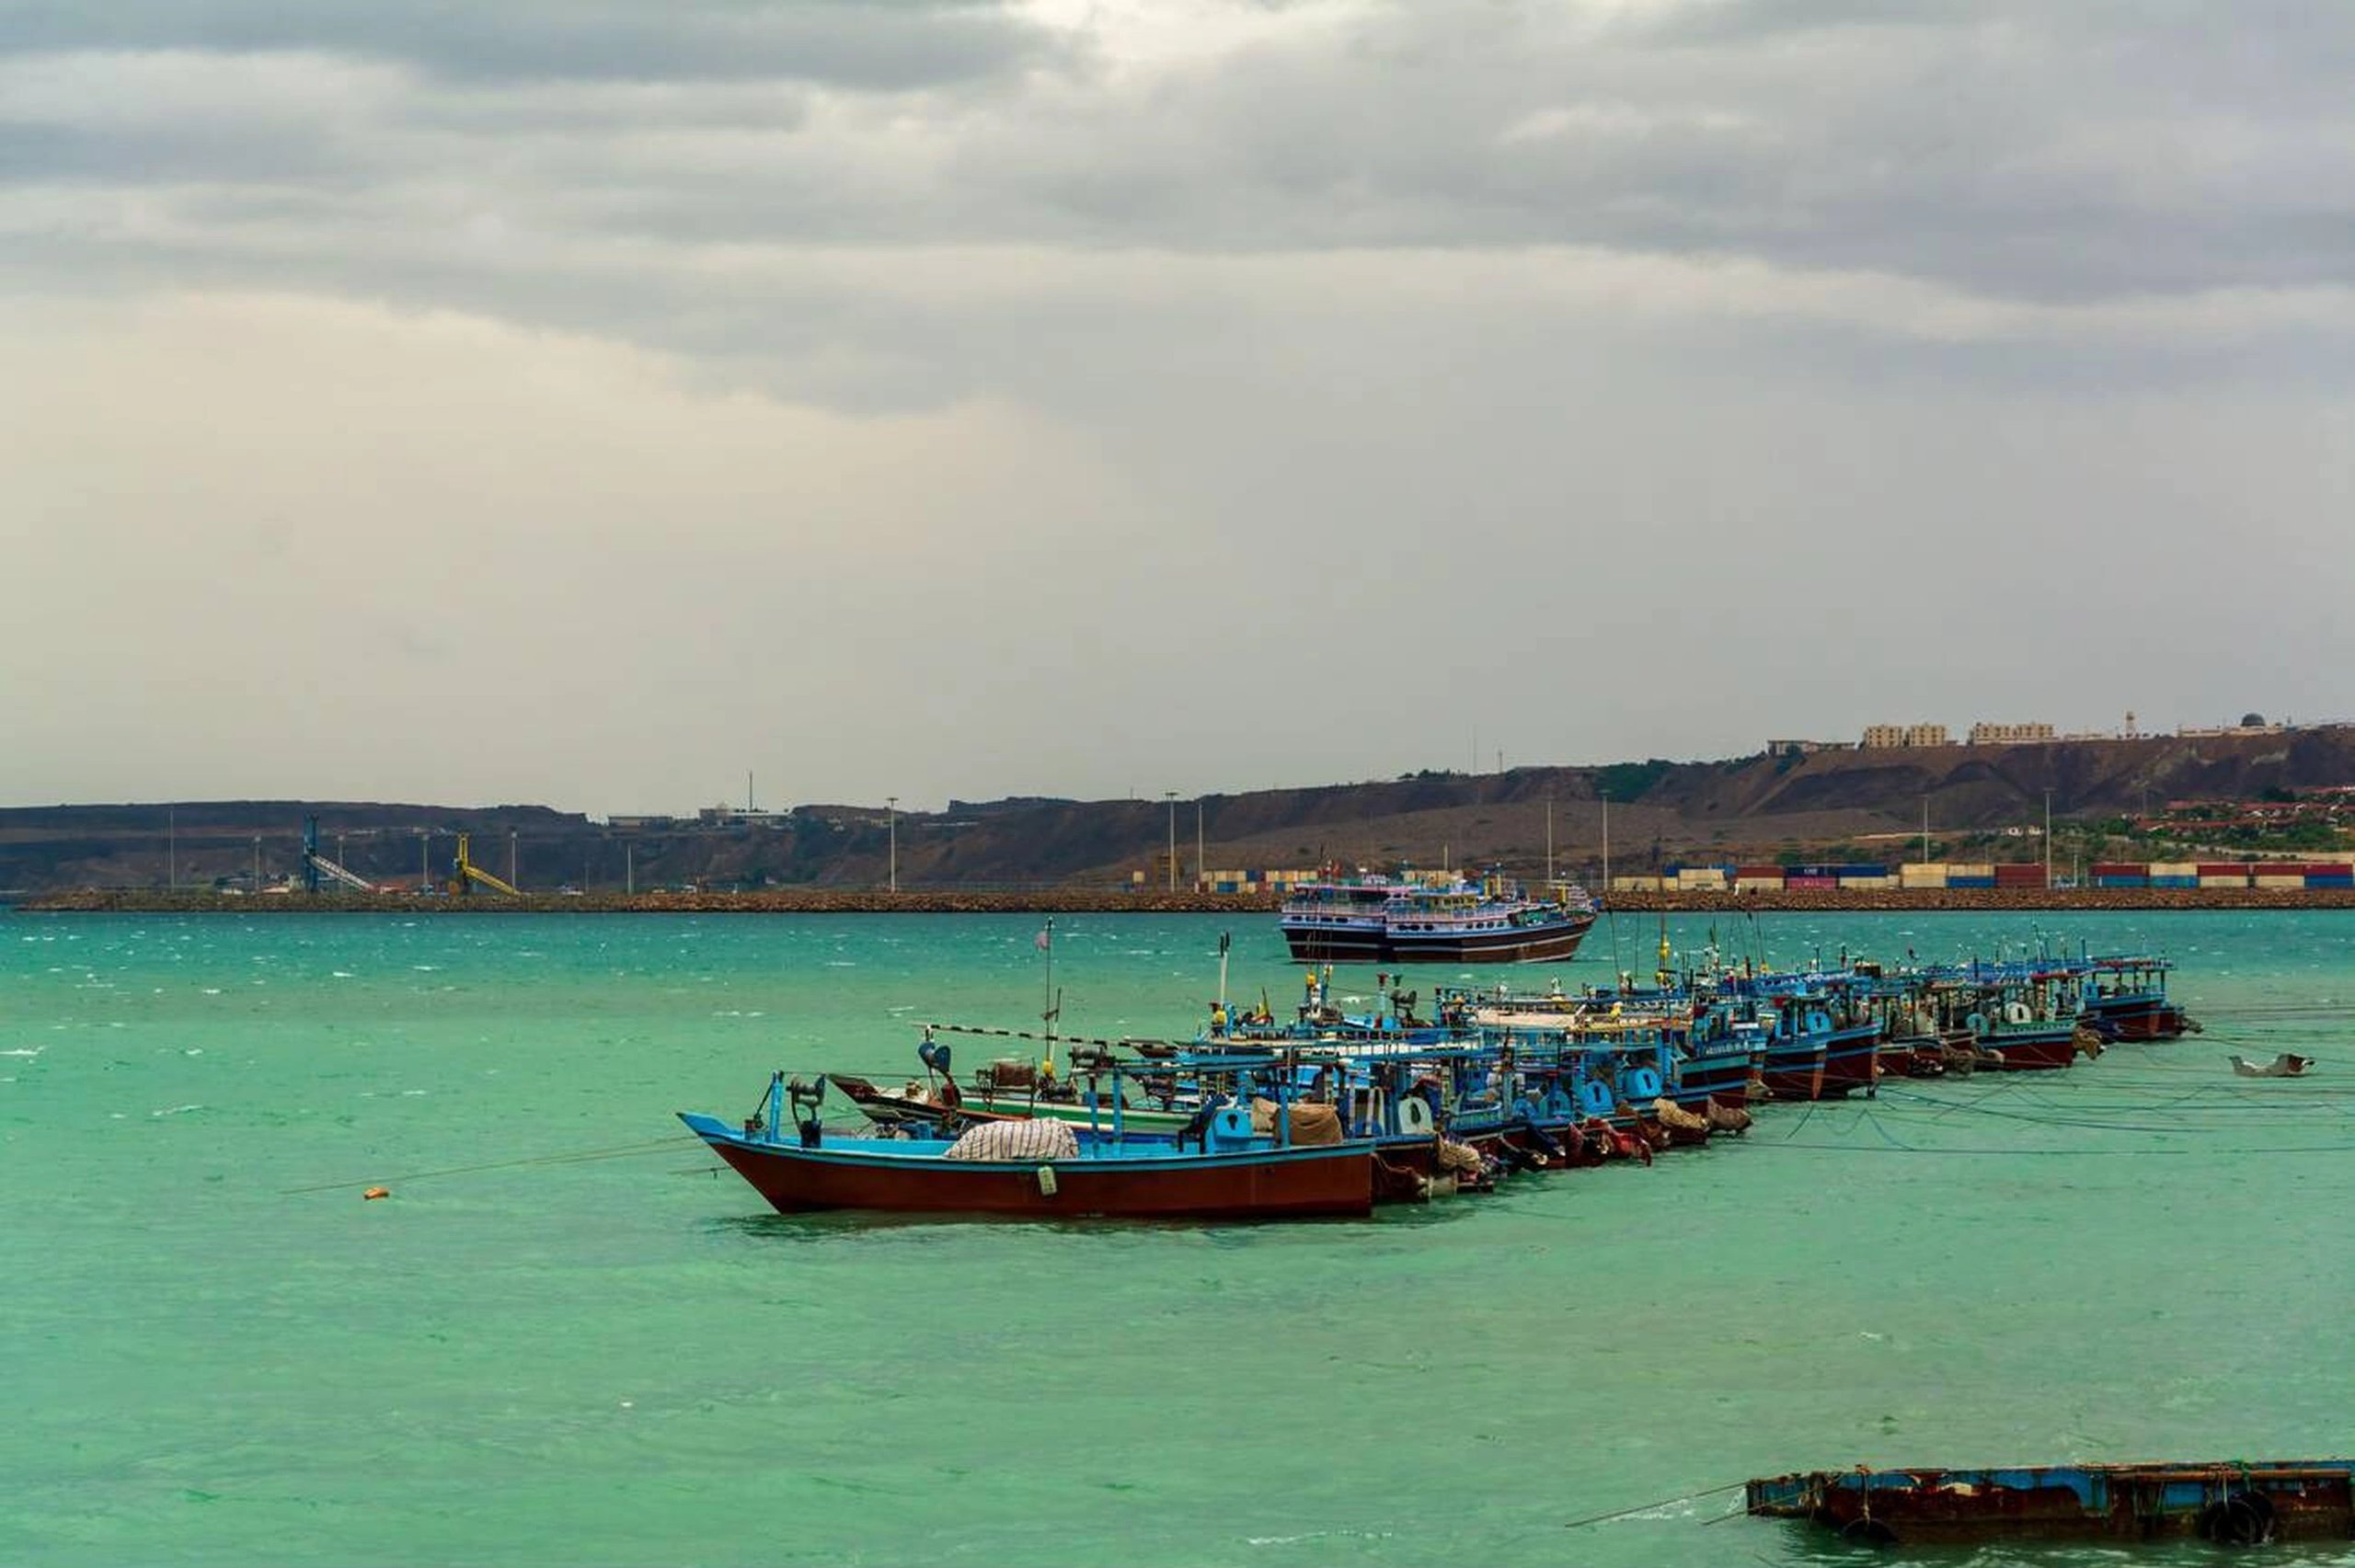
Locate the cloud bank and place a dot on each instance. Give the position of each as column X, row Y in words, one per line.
column 942, row 399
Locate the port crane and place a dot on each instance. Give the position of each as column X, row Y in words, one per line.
column 464, row 874
column 316, row 865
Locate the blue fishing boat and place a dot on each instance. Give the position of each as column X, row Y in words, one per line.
column 2125, row 998
column 2023, row 1015
column 1220, row 1167
column 2229, row 1503
column 1820, row 1045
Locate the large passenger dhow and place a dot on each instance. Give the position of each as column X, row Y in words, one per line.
column 1376, row 919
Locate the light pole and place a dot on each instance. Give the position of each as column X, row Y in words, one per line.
column 511, row 859
column 1606, row 843
column 891, row 825
column 2048, row 837
column 1171, row 796
column 257, row 862
column 1199, row 861
column 424, row 870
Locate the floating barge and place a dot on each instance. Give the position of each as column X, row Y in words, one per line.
column 2232, row 1502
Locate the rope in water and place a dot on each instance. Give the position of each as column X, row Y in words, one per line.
column 579, row 1157
column 1646, row 1508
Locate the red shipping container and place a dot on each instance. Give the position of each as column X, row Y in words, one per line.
column 2223, row 868
column 1822, row 884
column 2120, row 868
column 2019, row 877
column 1758, row 871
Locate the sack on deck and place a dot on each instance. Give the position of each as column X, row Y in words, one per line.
column 1312, row 1124
column 1038, row 1138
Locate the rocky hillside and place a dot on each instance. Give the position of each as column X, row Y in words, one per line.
column 1845, row 801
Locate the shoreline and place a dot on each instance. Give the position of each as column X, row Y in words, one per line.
column 805, row 901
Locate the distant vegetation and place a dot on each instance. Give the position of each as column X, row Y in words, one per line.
column 1623, row 782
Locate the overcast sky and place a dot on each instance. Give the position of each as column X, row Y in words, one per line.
column 593, row 401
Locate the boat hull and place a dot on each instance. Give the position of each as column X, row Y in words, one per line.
column 2045, row 1048
column 2137, row 1022
column 2230, row 1504
column 1723, row 1077
column 1277, row 1183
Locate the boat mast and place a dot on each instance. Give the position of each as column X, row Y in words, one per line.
column 1047, row 1017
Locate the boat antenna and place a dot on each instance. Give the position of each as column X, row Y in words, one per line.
column 1225, row 940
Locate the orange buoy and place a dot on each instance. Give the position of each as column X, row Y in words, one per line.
column 377, row 1192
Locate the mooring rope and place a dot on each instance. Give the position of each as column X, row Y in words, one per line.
column 1646, row 1508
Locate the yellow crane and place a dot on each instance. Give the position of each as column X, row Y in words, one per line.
column 464, row 874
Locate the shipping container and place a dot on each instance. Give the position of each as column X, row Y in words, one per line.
column 2173, row 881
column 2220, row 881
column 1868, row 884
column 2330, row 879
column 1798, row 884
column 2280, row 883
column 1761, row 872
column 1964, row 879
column 2223, row 869
column 1981, row 868
column 2174, row 868
column 2121, row 881
column 2019, row 877
column 2119, row 868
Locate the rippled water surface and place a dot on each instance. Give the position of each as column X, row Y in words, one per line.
column 566, row 1340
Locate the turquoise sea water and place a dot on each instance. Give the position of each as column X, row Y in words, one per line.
column 629, row 1360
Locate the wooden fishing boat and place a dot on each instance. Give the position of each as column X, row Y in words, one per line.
column 2233, row 1504
column 1814, row 1052
column 1225, row 1172
column 2025, row 1017
column 2125, row 998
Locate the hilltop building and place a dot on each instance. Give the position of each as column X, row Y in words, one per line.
column 1885, row 736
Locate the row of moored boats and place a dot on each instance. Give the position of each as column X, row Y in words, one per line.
column 1332, row 1111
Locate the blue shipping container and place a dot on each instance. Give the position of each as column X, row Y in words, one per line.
column 2330, row 881
column 2174, row 882
column 1971, row 881
column 2122, row 882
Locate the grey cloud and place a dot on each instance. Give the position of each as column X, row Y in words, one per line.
column 2025, row 152
column 903, row 44
column 1678, row 328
